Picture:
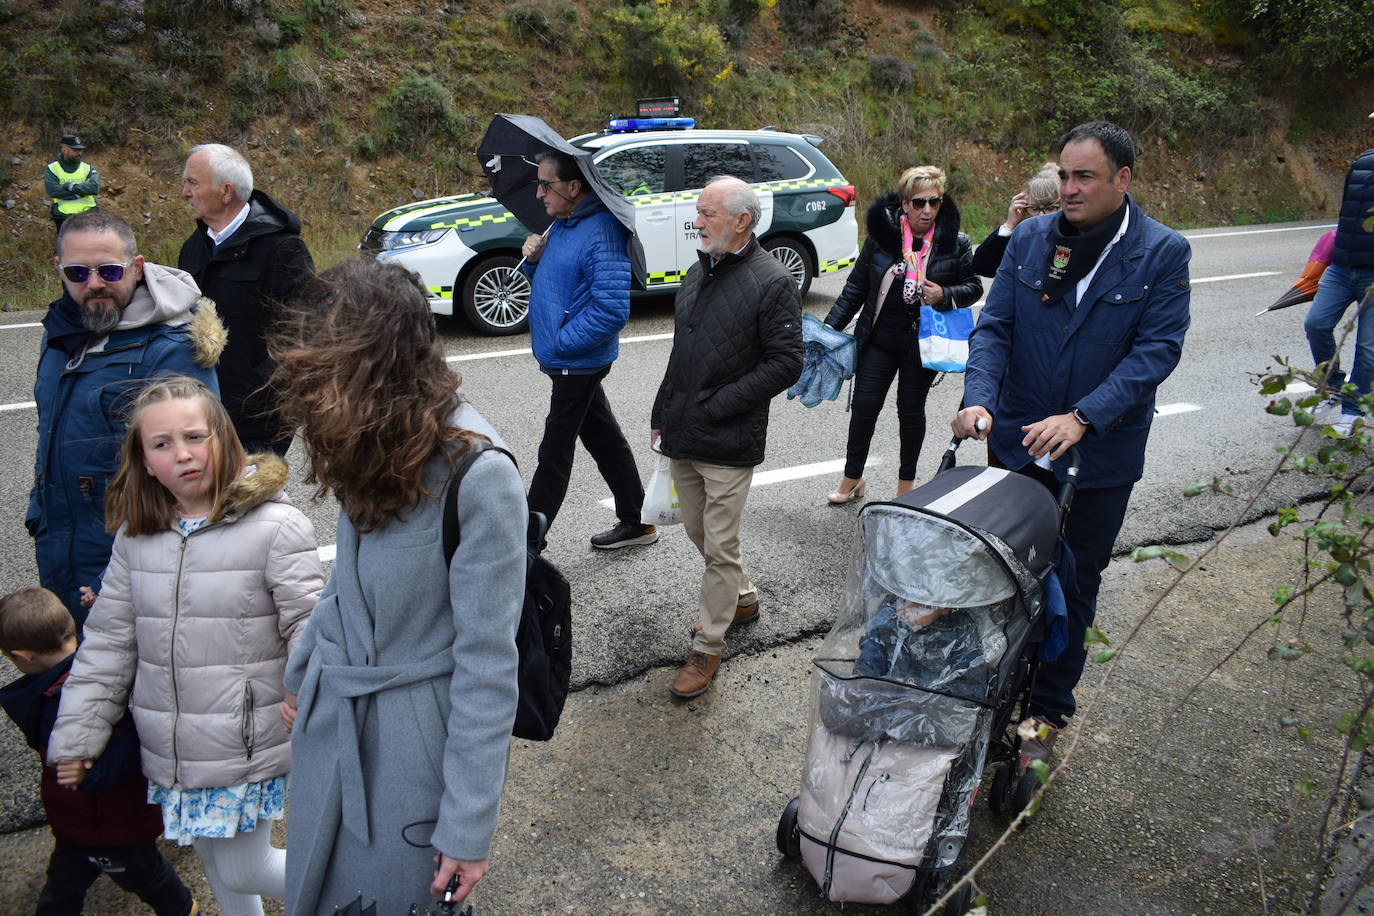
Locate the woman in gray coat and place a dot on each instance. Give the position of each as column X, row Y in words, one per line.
column 406, row 677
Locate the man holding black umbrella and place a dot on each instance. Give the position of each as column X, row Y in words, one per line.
column 579, row 301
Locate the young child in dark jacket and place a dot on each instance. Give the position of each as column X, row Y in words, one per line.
column 107, row 825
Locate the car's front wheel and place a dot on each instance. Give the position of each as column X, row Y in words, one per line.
column 495, row 297
column 793, row 256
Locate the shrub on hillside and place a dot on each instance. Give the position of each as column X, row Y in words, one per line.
column 416, row 110
column 888, row 72
column 810, row 22
column 548, row 22
column 665, row 48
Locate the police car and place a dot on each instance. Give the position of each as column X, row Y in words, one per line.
column 466, row 248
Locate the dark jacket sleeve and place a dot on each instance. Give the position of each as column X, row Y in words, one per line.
column 989, row 254
column 855, row 292
column 967, row 287
column 779, row 327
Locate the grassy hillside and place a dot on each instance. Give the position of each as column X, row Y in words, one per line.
column 346, row 108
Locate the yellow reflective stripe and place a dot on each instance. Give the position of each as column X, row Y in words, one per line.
column 660, row 277
column 831, row 266
column 442, row 292
column 396, row 222
column 486, row 219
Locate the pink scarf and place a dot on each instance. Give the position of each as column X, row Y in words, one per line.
column 915, row 260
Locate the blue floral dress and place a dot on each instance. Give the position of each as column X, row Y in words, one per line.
column 221, row 811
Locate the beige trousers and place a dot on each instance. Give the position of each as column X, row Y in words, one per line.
column 712, row 500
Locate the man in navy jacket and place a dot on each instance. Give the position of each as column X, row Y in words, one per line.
column 1085, row 320
column 579, row 301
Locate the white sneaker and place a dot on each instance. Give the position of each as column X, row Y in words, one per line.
column 1327, row 412
column 1346, row 424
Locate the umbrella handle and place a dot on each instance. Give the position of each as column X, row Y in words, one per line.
column 542, row 235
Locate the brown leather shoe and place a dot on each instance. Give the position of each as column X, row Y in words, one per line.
column 745, row 613
column 695, row 676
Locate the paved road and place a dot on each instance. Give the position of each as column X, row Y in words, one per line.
column 633, row 605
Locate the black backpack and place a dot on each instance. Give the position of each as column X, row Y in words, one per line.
column 544, row 637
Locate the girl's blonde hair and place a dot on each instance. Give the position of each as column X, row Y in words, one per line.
column 919, row 176
column 135, row 497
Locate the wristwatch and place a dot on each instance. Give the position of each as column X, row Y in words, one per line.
column 1078, row 415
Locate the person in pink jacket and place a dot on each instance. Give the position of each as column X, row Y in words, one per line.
column 213, row 576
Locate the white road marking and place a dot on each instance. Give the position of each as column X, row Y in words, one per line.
column 1262, row 273
column 1169, row 410
column 1217, row 235
column 781, row 475
column 23, row 324
column 22, row 405
column 1298, row 388
column 526, row 351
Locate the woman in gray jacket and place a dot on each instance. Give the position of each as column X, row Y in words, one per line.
column 406, row 675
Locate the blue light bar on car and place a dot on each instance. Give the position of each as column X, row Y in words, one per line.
column 621, row 125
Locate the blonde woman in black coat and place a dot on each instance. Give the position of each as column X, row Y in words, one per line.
column 914, row 255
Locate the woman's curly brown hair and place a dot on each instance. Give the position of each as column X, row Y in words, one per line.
column 361, row 370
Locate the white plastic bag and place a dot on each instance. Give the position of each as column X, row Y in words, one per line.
column 660, row 497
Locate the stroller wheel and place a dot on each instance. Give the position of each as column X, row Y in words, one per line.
column 1025, row 788
column 789, row 837
column 1003, row 787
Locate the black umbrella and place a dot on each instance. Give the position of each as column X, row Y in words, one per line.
column 507, row 156
column 1294, row 296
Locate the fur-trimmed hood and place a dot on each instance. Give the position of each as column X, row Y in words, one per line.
column 886, row 232
column 263, row 479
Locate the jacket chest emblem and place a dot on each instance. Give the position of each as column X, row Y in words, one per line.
column 1060, row 263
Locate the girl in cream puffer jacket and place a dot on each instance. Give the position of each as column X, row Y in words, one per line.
column 196, row 617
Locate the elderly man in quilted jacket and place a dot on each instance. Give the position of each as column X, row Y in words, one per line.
column 736, row 344
column 579, row 301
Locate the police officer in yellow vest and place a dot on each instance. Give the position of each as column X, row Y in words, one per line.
column 71, row 183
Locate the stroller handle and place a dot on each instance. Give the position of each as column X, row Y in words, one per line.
column 1066, row 489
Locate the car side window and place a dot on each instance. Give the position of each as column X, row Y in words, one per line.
column 636, row 171
column 779, row 163
column 703, row 161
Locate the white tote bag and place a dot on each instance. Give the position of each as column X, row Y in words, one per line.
column 660, row 497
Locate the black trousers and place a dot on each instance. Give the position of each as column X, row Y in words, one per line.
column 578, row 408
column 139, row 869
column 1094, row 522
column 883, row 358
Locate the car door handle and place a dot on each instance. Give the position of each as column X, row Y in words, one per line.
column 658, row 216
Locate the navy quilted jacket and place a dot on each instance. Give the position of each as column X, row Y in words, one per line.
column 1354, row 243
column 580, row 291
column 736, row 344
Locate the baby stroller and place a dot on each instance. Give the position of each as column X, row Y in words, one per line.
column 915, row 687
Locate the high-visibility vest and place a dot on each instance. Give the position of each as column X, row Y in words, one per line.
column 80, row 204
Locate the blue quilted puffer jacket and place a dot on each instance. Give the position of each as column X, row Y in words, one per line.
column 580, row 291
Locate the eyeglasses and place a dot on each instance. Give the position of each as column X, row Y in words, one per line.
column 920, row 203
column 1042, row 209
column 80, row 273
column 545, row 185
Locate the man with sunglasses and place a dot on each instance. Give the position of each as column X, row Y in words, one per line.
column 1085, row 320
column 579, row 301
column 120, row 321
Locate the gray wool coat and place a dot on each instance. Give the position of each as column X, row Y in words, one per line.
column 406, row 678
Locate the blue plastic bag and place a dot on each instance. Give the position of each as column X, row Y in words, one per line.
column 944, row 338
column 828, row 358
